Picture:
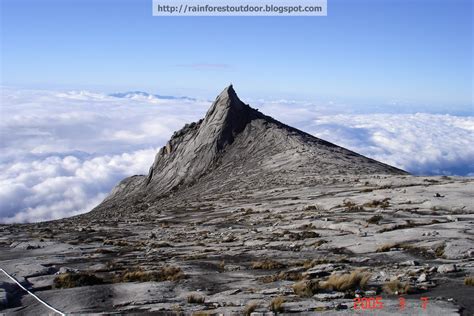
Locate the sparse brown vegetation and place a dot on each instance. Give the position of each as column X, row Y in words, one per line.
column 318, row 208
column 390, row 246
column 351, row 206
column 167, row 273
column 351, row 281
column 469, row 281
column 396, row 287
column 221, row 265
column 439, row 251
column 378, row 203
column 288, row 276
column 120, row 243
column 375, row 219
column 250, row 308
column 247, row 211
column 267, row 264
column 195, row 299
column 70, row 280
column 386, row 247
column 306, row 288
column 319, row 243
column 276, row 305
column 302, row 235
column 308, row 264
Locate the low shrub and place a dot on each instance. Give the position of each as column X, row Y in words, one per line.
column 396, row 287
column 71, row 280
column 167, row 273
column 343, row 282
column 276, row 305
column 267, row 264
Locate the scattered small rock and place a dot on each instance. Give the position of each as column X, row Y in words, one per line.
column 422, row 278
column 370, row 293
column 452, row 218
column 410, row 263
column 447, row 268
column 328, row 296
column 66, row 270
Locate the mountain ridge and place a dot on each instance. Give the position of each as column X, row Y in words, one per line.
column 143, row 94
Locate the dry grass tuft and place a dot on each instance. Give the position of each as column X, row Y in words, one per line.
column 439, row 251
column 195, row 299
column 351, row 206
column 314, row 208
column 302, row 235
column 250, row 308
column 386, row 247
column 396, row 287
column 276, row 304
column 284, row 275
column 306, row 288
column 319, row 243
column 389, row 246
column 408, row 224
column 167, row 273
column 267, row 264
column 350, row 281
column 376, row 203
column 70, row 280
column 375, row 219
column 469, row 281
column 221, row 265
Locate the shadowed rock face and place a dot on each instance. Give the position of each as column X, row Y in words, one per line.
column 233, row 136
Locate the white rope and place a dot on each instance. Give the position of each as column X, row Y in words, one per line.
column 36, row 297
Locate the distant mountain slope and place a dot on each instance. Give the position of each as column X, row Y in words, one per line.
column 141, row 94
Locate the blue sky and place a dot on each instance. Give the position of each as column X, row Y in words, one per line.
column 364, row 52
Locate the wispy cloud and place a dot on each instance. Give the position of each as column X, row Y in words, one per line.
column 205, row 66
column 62, row 152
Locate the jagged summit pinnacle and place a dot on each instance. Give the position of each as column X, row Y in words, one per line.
column 235, row 142
column 229, row 92
column 195, row 149
column 228, row 103
column 228, row 115
column 228, row 95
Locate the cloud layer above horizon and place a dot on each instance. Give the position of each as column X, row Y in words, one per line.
column 62, row 152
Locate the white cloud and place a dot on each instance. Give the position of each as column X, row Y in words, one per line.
column 61, row 153
column 420, row 143
column 56, row 187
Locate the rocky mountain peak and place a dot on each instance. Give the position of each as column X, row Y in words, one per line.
column 227, row 116
column 235, row 142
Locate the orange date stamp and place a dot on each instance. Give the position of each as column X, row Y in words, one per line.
column 373, row 303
